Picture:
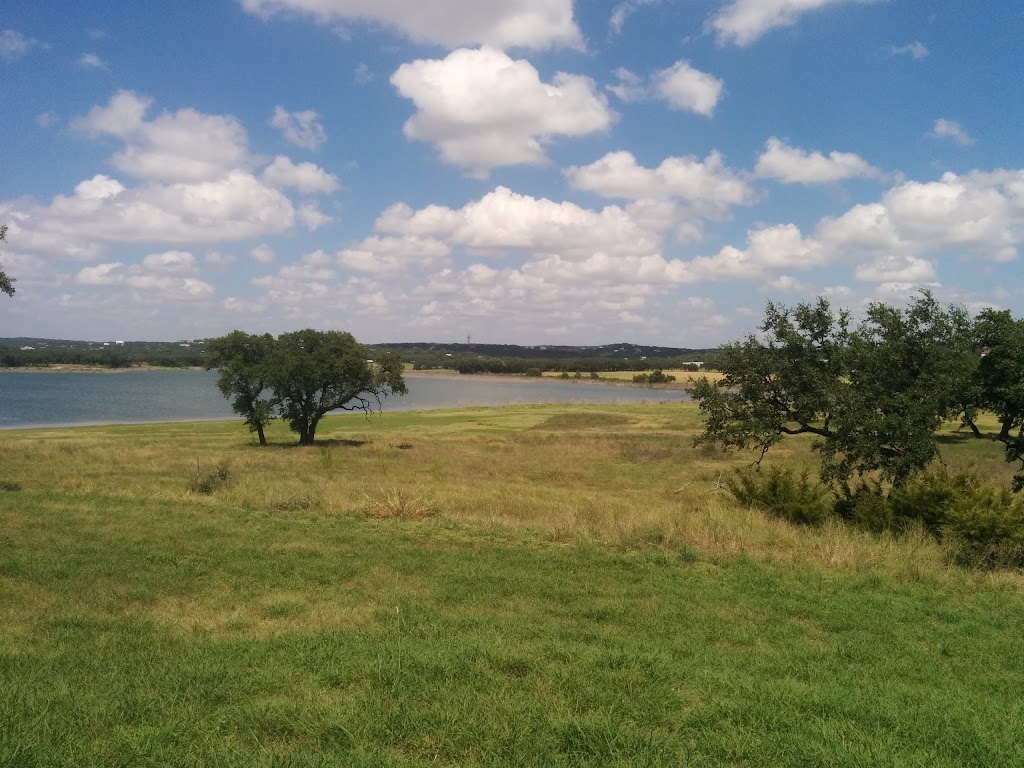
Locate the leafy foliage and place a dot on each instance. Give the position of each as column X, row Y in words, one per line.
column 313, row 372
column 241, row 360
column 6, row 283
column 300, row 377
column 873, row 395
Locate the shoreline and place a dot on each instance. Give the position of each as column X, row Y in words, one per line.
column 676, row 386
column 73, row 368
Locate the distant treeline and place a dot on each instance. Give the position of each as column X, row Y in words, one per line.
column 508, row 358
column 424, row 352
column 583, row 365
column 465, row 358
column 114, row 356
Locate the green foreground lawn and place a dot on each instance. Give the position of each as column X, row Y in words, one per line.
column 145, row 624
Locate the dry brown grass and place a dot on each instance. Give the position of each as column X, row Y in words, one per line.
column 623, row 476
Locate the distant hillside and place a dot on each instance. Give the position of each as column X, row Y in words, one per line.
column 22, row 351
column 622, row 350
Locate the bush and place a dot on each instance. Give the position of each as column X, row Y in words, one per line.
column 783, row 494
column 866, row 507
column 641, row 378
column 564, row 375
column 986, row 530
column 931, row 497
column 928, row 500
column 533, row 372
column 216, row 479
column 593, row 375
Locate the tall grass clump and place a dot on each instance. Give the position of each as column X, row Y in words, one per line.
column 783, row 493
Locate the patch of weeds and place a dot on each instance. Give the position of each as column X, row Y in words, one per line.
column 584, row 420
column 214, row 481
column 291, row 504
column 404, row 446
column 640, row 450
column 7, row 485
column 326, row 457
column 399, row 503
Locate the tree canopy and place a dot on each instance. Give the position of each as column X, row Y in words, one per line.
column 241, row 360
column 300, row 377
column 6, row 283
column 875, row 394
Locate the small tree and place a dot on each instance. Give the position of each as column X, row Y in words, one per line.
column 241, row 360
column 6, row 283
column 313, row 372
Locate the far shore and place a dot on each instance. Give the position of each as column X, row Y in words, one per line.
column 437, row 373
column 615, row 379
column 71, row 368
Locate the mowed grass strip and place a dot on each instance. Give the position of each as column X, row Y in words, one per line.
column 280, row 620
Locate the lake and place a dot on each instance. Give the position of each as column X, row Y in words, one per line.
column 60, row 399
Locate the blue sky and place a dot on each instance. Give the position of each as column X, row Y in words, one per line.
column 525, row 171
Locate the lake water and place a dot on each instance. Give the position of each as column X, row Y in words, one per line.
column 58, row 399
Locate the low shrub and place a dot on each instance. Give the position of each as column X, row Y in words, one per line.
column 211, row 482
column 866, row 507
column 533, row 372
column 986, row 529
column 784, row 494
column 399, row 503
column 930, row 498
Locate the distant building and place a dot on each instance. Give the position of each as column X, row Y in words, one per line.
column 27, row 349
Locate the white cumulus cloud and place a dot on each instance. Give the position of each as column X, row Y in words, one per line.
column 449, row 23
column 798, row 166
column 103, row 211
column 688, row 89
column 618, row 175
column 504, row 221
column 915, row 50
column 623, row 11
column 681, row 86
column 308, row 178
column 483, row 109
column 742, row 22
column 92, row 61
column 303, row 129
column 950, row 129
column 183, row 146
column 14, row 44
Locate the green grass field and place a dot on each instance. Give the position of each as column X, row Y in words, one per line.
column 534, row 585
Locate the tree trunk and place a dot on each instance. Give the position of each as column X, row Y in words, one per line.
column 259, row 431
column 308, row 432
